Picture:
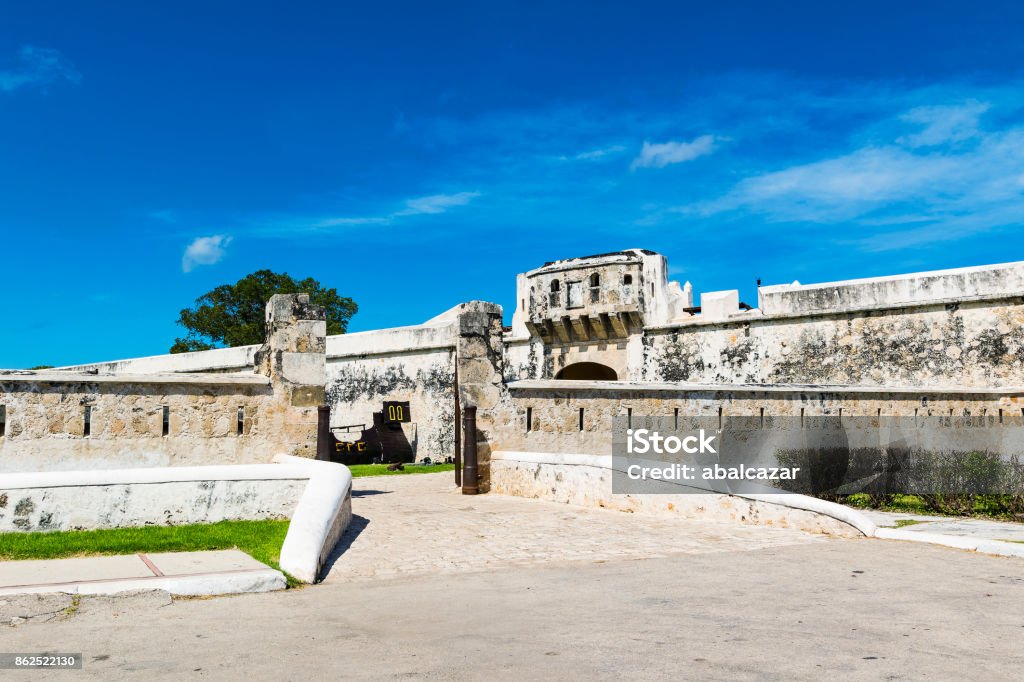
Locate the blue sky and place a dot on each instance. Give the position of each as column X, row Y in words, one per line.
column 416, row 155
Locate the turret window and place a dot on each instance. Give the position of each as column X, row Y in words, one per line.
column 555, row 297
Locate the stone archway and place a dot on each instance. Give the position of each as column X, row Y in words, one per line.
column 587, row 371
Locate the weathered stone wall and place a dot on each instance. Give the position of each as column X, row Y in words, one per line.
column 405, row 363
column 460, row 351
column 357, row 387
column 975, row 343
column 481, row 360
column 45, row 422
column 962, row 327
column 554, row 438
column 562, row 479
column 555, row 408
column 532, row 359
column 972, row 343
column 64, row 420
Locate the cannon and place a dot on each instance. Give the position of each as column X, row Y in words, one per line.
column 383, row 443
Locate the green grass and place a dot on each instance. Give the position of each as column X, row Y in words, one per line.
column 360, row 470
column 903, row 523
column 1000, row 507
column 260, row 539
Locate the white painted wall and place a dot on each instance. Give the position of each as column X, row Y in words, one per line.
column 317, row 496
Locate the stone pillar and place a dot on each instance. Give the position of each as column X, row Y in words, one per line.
column 480, row 368
column 294, row 356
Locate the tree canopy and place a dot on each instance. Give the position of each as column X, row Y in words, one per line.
column 234, row 314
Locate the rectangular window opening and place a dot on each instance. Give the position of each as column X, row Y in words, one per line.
column 3, row 420
column 87, row 421
column 801, row 417
column 762, row 417
column 581, row 419
column 241, row 421
column 629, row 417
column 719, row 418
column 529, row 419
column 165, row 428
column 677, row 419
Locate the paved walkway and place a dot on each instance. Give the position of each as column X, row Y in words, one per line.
column 216, row 572
column 835, row 609
column 1007, row 531
column 412, row 525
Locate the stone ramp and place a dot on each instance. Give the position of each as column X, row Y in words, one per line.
column 421, row 524
column 180, row 573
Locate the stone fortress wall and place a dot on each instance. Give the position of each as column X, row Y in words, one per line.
column 945, row 342
column 85, row 418
column 962, row 327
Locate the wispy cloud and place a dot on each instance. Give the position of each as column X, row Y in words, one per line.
column 668, row 153
column 927, row 174
column 428, row 205
column 595, row 154
column 944, row 124
column 204, row 251
column 38, row 67
column 436, row 203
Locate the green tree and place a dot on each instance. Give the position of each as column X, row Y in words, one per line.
column 233, row 314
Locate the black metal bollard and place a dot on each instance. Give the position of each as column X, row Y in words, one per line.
column 469, row 473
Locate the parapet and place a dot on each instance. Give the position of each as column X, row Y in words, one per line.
column 922, row 288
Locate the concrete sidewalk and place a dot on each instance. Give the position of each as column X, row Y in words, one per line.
column 981, row 529
column 182, row 573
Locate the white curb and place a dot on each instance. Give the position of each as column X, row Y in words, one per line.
column 322, row 515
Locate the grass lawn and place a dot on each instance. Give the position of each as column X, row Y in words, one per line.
column 359, row 470
column 999, row 507
column 260, row 539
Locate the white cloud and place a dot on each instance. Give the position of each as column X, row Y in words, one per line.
column 944, row 124
column 942, row 182
column 595, row 154
column 667, row 153
column 204, row 251
column 428, row 205
column 38, row 66
column 840, row 188
column 436, row 203
column 336, row 222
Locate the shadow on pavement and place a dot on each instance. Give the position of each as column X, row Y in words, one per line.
column 355, row 527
